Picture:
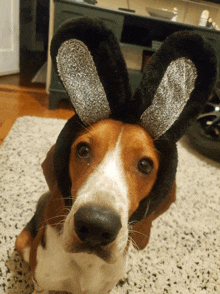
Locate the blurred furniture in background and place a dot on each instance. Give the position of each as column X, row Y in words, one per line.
column 34, row 26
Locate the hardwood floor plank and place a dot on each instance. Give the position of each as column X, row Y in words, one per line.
column 17, row 88
column 5, row 128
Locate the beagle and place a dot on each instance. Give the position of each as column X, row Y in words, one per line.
column 82, row 248
column 112, row 169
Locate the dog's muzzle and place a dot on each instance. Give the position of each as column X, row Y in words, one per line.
column 96, row 226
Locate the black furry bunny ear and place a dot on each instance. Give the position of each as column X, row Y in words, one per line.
column 90, row 65
column 78, row 73
column 176, row 83
column 171, row 97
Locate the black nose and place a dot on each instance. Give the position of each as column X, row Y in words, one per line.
column 97, row 225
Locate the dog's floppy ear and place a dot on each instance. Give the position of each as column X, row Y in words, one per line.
column 90, row 65
column 55, row 203
column 48, row 169
column 140, row 232
column 176, row 84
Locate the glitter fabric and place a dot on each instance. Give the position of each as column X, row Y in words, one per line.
column 78, row 73
column 170, row 98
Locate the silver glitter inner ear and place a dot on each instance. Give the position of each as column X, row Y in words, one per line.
column 170, row 98
column 78, row 73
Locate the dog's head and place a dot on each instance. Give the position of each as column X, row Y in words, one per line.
column 112, row 167
column 114, row 163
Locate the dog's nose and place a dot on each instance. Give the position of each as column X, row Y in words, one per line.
column 97, row 225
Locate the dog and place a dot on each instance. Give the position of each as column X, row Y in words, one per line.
column 112, row 169
column 83, row 248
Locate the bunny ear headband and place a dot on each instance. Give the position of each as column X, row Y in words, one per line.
column 175, row 86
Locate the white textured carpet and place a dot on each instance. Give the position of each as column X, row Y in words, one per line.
column 183, row 255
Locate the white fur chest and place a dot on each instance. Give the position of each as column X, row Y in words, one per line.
column 79, row 273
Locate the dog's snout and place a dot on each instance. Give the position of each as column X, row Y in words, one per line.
column 97, row 225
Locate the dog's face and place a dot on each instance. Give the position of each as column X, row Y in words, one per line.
column 112, row 166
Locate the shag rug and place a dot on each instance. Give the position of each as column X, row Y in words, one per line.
column 183, row 255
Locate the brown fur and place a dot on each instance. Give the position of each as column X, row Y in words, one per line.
column 23, row 241
column 140, row 232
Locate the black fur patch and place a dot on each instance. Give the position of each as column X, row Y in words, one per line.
column 35, row 223
column 164, row 182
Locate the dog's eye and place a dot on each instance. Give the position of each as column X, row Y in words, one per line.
column 145, row 166
column 83, row 150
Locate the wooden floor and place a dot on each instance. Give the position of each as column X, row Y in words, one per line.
column 20, row 99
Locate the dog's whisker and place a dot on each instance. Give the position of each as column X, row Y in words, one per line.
column 133, row 242
column 57, row 216
column 67, row 198
column 134, row 231
column 65, row 209
column 68, row 208
column 46, row 224
column 132, row 223
column 60, row 223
